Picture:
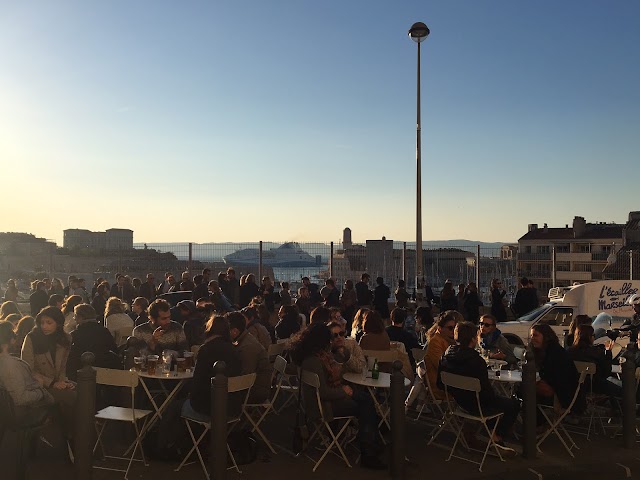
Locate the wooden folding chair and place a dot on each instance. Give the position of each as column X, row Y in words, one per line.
column 555, row 421
column 132, row 415
column 242, row 383
column 470, row 384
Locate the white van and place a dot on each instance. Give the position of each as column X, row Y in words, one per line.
column 609, row 296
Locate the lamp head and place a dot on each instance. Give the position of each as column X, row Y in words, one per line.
column 418, row 32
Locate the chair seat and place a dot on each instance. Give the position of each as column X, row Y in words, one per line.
column 463, row 414
column 121, row 414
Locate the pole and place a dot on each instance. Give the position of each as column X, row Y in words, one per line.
column 218, row 447
column 419, row 265
column 478, row 266
column 190, row 257
column 629, row 397
column 398, row 425
column 331, row 262
column 404, row 263
column 260, row 262
column 553, row 266
column 630, row 264
column 85, row 410
column 529, row 448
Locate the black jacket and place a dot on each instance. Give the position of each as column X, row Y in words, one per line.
column 92, row 337
column 559, row 371
column 468, row 362
column 399, row 334
column 526, row 300
column 38, row 300
column 286, row 327
column 247, row 292
column 601, row 357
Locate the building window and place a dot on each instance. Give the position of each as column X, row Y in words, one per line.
column 583, row 248
column 582, row 267
column 544, row 249
column 562, row 248
column 563, row 267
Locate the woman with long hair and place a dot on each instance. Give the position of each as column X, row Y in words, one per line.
column 248, row 290
column 11, row 293
column 7, row 308
column 375, row 337
column 439, row 338
column 67, row 310
column 448, row 299
column 115, row 317
column 356, row 325
column 311, row 350
column 46, row 349
column 348, row 302
column 23, row 327
column 497, row 301
column 289, row 322
column 558, row 374
column 573, row 326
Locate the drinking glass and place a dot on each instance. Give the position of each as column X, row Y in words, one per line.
column 152, row 362
column 138, row 363
column 495, row 366
column 181, row 365
column 188, row 359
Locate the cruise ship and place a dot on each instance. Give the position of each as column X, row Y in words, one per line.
column 289, row 254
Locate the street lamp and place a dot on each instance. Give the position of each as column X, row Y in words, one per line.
column 418, row 32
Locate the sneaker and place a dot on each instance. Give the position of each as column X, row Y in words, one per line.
column 505, row 450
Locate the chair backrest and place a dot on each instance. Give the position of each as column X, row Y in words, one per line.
column 116, row 378
column 276, row 349
column 470, row 384
column 418, row 354
column 588, row 367
column 383, row 356
column 312, row 380
column 519, row 352
column 280, row 365
column 243, row 382
column 121, row 334
column 398, row 346
column 195, row 349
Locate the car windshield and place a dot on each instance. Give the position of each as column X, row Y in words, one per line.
column 534, row 313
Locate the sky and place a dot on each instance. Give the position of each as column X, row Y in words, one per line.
column 216, row 121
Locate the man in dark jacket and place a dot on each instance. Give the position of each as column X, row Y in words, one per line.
column 362, row 291
column 381, row 296
column 397, row 333
column 148, row 289
column 463, row 359
column 526, row 298
column 39, row 298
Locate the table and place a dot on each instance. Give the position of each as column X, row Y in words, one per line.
column 181, row 377
column 383, row 381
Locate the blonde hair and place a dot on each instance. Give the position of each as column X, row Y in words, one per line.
column 114, row 305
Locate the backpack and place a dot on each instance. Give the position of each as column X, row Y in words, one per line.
column 243, row 445
column 169, row 439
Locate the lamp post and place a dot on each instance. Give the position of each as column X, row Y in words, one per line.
column 418, row 32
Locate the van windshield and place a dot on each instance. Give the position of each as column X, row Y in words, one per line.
column 534, row 313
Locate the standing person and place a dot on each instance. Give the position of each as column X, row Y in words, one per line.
column 123, row 290
column 186, row 284
column 57, row 286
column 46, row 349
column 11, row 293
column 303, row 302
column 330, row 294
column 402, row 296
column 381, row 296
column 448, row 299
column 362, row 291
column 39, row 298
column 526, row 298
column 232, row 287
column 70, row 279
column 160, row 333
column 148, row 288
column 472, row 303
column 285, row 294
column 460, row 299
column 314, row 292
column 266, row 291
column 497, row 301
column 99, row 302
column 249, row 290
column 166, row 284
column 348, row 302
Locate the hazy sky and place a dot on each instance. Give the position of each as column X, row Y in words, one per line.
column 212, row 121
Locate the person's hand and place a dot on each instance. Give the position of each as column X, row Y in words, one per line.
column 348, row 390
column 498, row 355
column 158, row 333
column 609, row 344
column 70, row 385
column 60, row 385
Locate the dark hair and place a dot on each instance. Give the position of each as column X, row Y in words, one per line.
column 401, row 283
column 398, row 316
column 284, row 284
column 40, row 343
column 348, row 285
column 250, row 312
column 424, row 316
column 310, row 342
column 218, row 325
column 372, row 322
column 8, row 308
column 548, row 335
column 465, row 332
column 524, row 281
column 330, row 281
column 70, row 303
column 142, row 302
column 582, row 337
column 577, row 321
column 236, row 320
column 334, row 325
column 444, row 318
column 320, row 315
column 197, row 279
column 290, row 314
column 490, row 317
column 24, row 326
column 6, row 333
column 379, row 280
column 55, row 299
column 12, row 318
column 364, row 275
column 157, row 306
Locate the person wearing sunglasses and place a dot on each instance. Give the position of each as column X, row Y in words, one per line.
column 439, row 338
column 345, row 350
column 491, row 339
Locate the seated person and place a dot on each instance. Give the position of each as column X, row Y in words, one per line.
column 583, row 350
column 375, row 337
column 90, row 336
column 439, row 338
column 115, row 317
column 160, row 333
column 289, row 322
column 492, row 340
column 139, row 311
column 336, row 316
column 397, row 333
column 463, row 359
column 253, row 357
column 255, row 328
column 558, row 374
column 217, row 347
column 575, row 323
column 31, row 400
column 345, row 350
column 310, row 350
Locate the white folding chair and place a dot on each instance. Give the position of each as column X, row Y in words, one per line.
column 470, row 384
column 121, row 334
column 322, row 423
column 276, row 349
column 195, row 349
column 555, row 420
column 120, row 378
column 242, row 383
column 593, row 399
column 261, row 410
column 284, row 380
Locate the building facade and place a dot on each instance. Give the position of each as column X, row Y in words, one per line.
column 112, row 240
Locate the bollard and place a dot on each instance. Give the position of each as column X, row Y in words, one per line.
column 85, row 431
column 629, row 397
column 398, row 426
column 529, row 448
column 218, row 452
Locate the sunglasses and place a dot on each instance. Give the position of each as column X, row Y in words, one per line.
column 338, row 334
column 482, row 324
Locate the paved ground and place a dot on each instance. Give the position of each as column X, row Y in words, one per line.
column 601, row 458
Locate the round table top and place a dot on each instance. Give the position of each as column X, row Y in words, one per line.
column 510, row 376
column 384, row 381
column 163, row 376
